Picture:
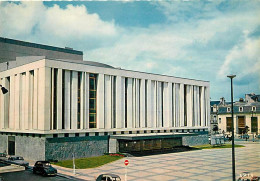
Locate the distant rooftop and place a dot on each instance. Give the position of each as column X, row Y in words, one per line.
column 35, row 45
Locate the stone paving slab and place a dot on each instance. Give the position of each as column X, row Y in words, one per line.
column 213, row 164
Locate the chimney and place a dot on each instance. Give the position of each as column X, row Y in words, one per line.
column 222, row 101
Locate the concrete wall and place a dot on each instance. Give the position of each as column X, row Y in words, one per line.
column 3, row 143
column 31, row 148
column 195, row 140
column 63, row 148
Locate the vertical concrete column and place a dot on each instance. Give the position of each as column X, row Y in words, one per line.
column 59, row 99
column 86, row 104
column 108, row 102
column 130, row 103
column 6, row 104
column 137, row 113
column 142, row 103
column 12, row 102
column 67, row 99
column 159, row 104
column 207, row 106
column 192, row 105
column 177, row 105
column 52, row 98
column 134, row 102
column 100, row 101
column 189, row 105
column 74, row 100
column 82, row 100
column 120, row 102
column 149, row 104
column 44, row 98
column 169, row 104
column 30, row 101
column 35, row 99
column 173, row 106
column 203, row 123
column 198, row 106
column 26, row 100
column 166, row 98
column 181, row 93
column 154, row 104
column 22, row 101
column 17, row 101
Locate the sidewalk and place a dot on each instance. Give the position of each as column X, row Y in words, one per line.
column 211, row 164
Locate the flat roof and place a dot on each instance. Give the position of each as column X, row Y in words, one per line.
column 35, row 45
column 148, row 136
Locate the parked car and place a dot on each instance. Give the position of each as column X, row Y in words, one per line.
column 44, row 168
column 108, row 177
column 3, row 155
column 18, row 160
column 247, row 176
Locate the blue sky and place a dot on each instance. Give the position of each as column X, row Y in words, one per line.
column 205, row 40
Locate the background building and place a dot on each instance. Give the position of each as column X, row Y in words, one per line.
column 57, row 107
column 246, row 113
column 10, row 49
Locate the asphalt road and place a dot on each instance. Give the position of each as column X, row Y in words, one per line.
column 28, row 176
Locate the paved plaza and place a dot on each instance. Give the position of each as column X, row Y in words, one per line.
column 211, row 164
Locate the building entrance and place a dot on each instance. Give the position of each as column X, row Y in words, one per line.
column 11, row 145
column 254, row 125
column 241, row 124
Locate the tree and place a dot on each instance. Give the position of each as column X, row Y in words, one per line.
column 215, row 128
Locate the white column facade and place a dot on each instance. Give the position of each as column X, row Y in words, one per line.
column 153, row 101
column 108, row 102
column 100, row 101
column 129, row 103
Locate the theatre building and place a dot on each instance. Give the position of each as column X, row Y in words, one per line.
column 57, row 107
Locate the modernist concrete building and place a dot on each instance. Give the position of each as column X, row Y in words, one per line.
column 246, row 113
column 57, row 107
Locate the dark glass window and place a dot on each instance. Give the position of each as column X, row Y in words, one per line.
column 92, row 100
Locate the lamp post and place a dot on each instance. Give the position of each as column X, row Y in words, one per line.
column 4, row 90
column 233, row 143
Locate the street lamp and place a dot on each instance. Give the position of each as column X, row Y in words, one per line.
column 233, row 143
column 4, row 90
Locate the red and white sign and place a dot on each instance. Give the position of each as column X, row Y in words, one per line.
column 126, row 162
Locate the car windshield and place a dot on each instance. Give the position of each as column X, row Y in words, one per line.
column 47, row 164
column 19, row 158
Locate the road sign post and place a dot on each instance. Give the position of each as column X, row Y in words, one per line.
column 126, row 163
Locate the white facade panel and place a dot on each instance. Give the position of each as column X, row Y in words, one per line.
column 129, row 103
column 100, row 101
column 142, row 103
column 67, row 92
column 108, row 102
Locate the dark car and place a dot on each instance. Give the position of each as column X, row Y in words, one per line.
column 18, row 160
column 44, row 168
column 3, row 155
column 108, row 177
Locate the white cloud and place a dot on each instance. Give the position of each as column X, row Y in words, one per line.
column 243, row 59
column 53, row 25
column 17, row 19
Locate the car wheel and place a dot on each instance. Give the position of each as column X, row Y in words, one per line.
column 34, row 172
column 44, row 174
